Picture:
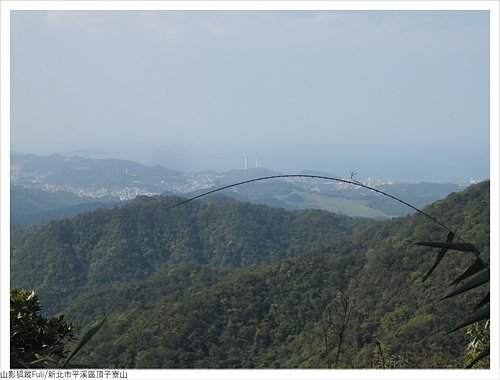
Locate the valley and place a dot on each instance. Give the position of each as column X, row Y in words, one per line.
column 220, row 283
column 44, row 188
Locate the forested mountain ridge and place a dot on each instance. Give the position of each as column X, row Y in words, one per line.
column 31, row 206
column 193, row 312
column 133, row 241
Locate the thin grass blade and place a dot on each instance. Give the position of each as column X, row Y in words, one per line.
column 483, row 302
column 483, row 354
column 479, row 316
column 479, row 279
column 86, row 337
column 466, row 247
column 439, row 256
column 473, row 269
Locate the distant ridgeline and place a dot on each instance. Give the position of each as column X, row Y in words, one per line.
column 217, row 283
column 55, row 187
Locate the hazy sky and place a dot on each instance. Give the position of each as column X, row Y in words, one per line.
column 389, row 94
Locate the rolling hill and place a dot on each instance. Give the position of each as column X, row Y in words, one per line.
column 219, row 283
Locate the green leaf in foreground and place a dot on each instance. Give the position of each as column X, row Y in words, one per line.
column 466, row 247
column 86, row 337
column 439, row 256
column 483, row 354
column 473, row 269
column 483, row 302
column 479, row 279
column 479, row 316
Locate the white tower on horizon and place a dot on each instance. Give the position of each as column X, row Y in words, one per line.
column 258, row 162
column 246, row 163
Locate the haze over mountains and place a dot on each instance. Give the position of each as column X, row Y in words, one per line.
column 236, row 283
column 219, row 283
column 45, row 187
column 282, row 273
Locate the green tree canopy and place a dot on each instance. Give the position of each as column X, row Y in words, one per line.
column 35, row 340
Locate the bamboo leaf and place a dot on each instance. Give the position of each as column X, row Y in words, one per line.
column 483, row 354
column 479, row 279
column 473, row 269
column 466, row 247
column 479, row 316
column 483, row 302
column 439, row 256
column 86, row 337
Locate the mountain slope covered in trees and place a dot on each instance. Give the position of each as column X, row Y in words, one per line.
column 111, row 246
column 224, row 284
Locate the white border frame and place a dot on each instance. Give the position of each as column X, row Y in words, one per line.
column 492, row 5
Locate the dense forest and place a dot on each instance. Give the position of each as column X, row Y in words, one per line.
column 32, row 206
column 218, row 283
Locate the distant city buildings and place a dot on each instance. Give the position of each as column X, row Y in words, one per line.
column 124, row 183
column 316, row 189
